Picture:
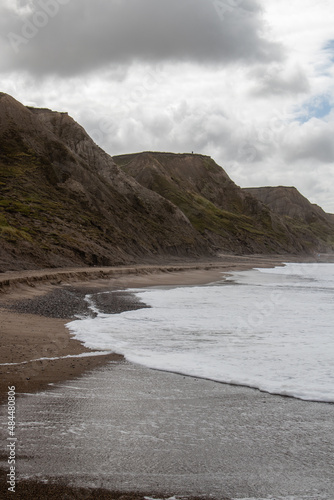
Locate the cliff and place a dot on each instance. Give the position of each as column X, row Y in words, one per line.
column 313, row 223
column 225, row 215
column 65, row 202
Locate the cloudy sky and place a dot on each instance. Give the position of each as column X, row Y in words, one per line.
column 248, row 82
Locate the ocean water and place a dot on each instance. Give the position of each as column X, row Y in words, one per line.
column 270, row 329
column 127, row 428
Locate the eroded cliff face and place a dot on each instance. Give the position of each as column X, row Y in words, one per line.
column 226, row 215
column 310, row 220
column 290, row 202
column 65, row 202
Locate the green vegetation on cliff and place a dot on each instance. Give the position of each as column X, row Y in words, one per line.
column 64, row 201
column 227, row 216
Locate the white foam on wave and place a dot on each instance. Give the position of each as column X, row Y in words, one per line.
column 270, row 329
column 312, row 497
column 82, row 355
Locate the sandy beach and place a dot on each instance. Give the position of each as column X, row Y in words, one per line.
column 36, row 305
column 34, row 309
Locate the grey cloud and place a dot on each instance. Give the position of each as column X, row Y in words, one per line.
column 70, row 37
column 314, row 144
column 199, row 130
column 277, row 80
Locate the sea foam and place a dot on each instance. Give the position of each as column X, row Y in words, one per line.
column 270, row 329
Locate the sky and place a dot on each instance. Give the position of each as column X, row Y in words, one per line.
column 248, row 82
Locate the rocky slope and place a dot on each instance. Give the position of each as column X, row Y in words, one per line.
column 226, row 216
column 289, row 201
column 297, row 211
column 65, row 202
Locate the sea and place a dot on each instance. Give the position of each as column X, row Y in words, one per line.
column 269, row 329
column 126, row 427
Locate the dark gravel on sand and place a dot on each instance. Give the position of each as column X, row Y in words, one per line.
column 70, row 302
column 33, row 490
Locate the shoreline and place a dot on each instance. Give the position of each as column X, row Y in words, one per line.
column 30, row 333
column 14, row 280
column 35, row 307
column 28, row 336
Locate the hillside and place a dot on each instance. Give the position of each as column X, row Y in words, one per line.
column 297, row 211
column 225, row 215
column 289, row 201
column 63, row 201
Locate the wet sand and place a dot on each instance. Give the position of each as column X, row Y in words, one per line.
column 32, row 326
column 36, row 305
column 125, row 427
